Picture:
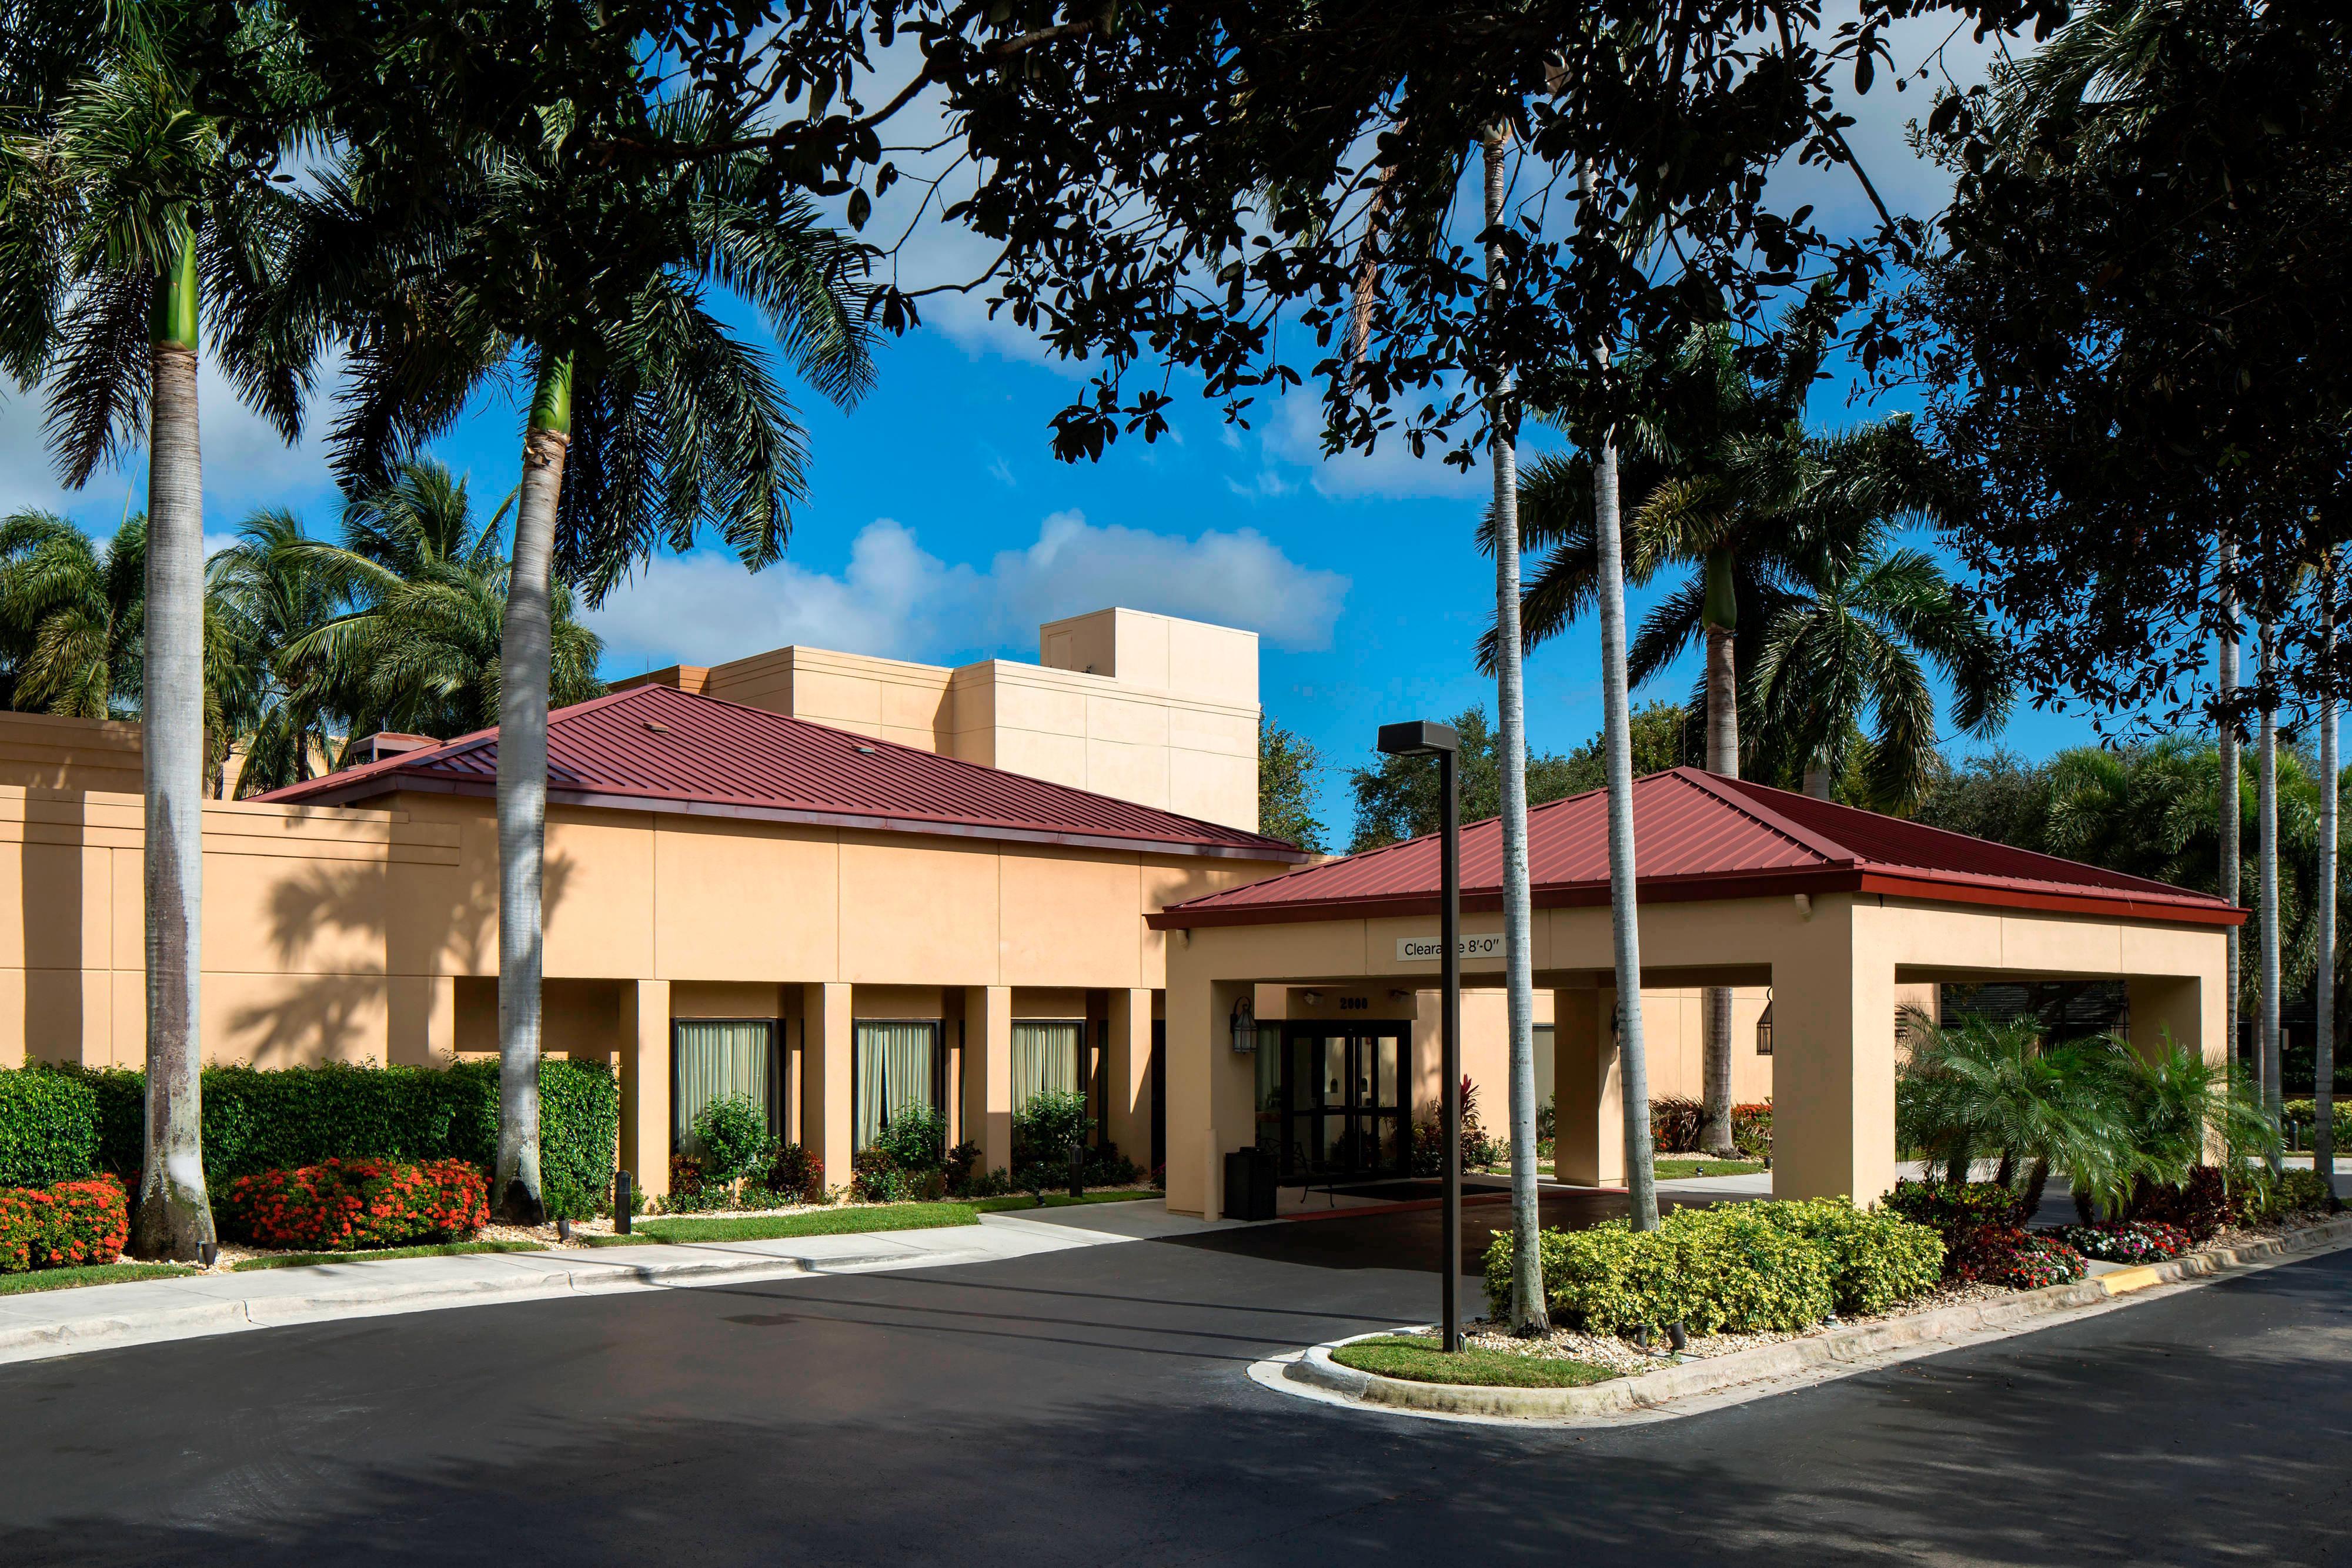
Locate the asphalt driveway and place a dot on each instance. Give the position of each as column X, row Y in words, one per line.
column 1090, row 1407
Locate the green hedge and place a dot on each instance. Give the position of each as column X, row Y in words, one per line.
column 1731, row 1269
column 262, row 1119
column 48, row 1129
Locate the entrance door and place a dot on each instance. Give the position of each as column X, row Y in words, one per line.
column 1343, row 1098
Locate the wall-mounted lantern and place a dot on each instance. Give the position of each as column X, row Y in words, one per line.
column 1245, row 1024
column 1764, row 1029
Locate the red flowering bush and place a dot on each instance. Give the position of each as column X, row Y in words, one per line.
column 342, row 1205
column 2202, row 1205
column 56, row 1227
column 2019, row 1259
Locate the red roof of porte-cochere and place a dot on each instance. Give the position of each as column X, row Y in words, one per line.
column 658, row 748
column 1698, row 836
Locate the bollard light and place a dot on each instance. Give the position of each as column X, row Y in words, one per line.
column 622, row 1196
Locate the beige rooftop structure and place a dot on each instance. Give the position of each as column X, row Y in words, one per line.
column 1148, row 708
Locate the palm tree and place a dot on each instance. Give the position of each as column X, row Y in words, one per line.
column 126, row 222
column 2266, row 872
column 415, row 641
column 2226, row 727
column 1975, row 1089
column 2323, row 1087
column 271, row 592
column 1849, row 654
column 1529, row 1314
column 647, row 419
column 71, row 615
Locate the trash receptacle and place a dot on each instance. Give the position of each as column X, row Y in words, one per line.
column 1249, row 1184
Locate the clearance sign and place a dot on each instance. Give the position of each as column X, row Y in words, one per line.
column 1430, row 949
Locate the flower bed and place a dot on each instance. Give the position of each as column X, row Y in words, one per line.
column 2015, row 1258
column 343, row 1206
column 64, row 1226
column 2126, row 1241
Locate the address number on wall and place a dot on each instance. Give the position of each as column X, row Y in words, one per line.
column 1430, row 949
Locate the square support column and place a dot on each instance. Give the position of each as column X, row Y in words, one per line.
column 2171, row 1009
column 828, row 1045
column 1833, row 1060
column 644, row 1084
column 1588, row 1090
column 1127, row 1074
column 988, row 1073
column 1211, row 1092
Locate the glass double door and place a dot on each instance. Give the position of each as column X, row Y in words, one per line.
column 1343, row 1098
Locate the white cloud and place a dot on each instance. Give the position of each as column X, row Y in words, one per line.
column 246, row 464
column 896, row 599
column 1389, row 472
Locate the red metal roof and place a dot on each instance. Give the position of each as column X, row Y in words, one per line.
column 1697, row 836
column 656, row 749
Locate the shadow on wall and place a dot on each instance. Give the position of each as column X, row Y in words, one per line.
column 334, row 1016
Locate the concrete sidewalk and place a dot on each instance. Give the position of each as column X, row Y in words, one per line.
column 46, row 1323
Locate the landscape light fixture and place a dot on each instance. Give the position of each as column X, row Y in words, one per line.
column 1423, row 737
column 1245, row 1024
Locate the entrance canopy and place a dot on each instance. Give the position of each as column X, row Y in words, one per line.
column 1737, row 884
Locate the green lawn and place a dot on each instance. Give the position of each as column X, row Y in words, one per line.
column 1056, row 1200
column 1417, row 1358
column 631, row 1240
column 435, row 1249
column 1678, row 1170
column 817, row 1222
column 88, row 1274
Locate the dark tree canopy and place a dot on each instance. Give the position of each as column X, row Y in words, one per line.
column 2135, row 341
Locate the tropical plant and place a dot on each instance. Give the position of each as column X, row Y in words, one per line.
column 398, row 626
column 1845, row 655
column 71, row 615
column 1977, row 1090
column 1287, row 764
column 648, row 419
column 127, row 215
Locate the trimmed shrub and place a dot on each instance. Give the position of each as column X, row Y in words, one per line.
column 1044, row 1129
column 265, row 1119
column 1952, row 1209
column 342, row 1205
column 917, row 1138
column 2290, row 1192
column 2125, row 1240
column 48, row 1128
column 876, row 1176
column 1876, row 1258
column 2019, row 1259
column 731, row 1139
column 964, row 1167
column 70, row 1223
column 1715, row 1271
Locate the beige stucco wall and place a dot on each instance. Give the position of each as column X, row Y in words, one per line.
column 43, row 751
column 1148, row 708
column 1838, row 966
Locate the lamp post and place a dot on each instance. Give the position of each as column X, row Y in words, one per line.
column 1422, row 738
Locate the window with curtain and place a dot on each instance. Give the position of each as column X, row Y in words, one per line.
column 1045, row 1056
column 894, row 1071
column 713, row 1058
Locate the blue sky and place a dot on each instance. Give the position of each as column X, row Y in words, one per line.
column 939, row 526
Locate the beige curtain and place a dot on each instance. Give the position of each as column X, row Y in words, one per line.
column 894, row 1071
column 1045, row 1056
column 716, row 1059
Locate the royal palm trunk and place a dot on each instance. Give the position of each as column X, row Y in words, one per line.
column 1721, row 615
column 2226, row 691
column 2323, row 1088
column 173, row 1219
column 1528, row 1311
column 2267, row 848
column 523, row 653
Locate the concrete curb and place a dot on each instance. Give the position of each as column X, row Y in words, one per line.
column 1851, row 1349
column 187, row 1318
